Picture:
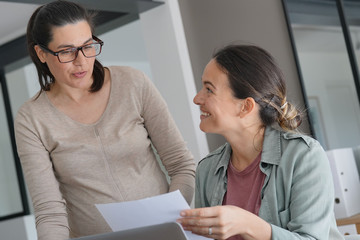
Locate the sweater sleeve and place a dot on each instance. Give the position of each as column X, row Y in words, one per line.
column 49, row 205
column 168, row 142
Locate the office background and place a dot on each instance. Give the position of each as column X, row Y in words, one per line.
column 172, row 41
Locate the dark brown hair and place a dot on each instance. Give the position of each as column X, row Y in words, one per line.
column 39, row 31
column 253, row 72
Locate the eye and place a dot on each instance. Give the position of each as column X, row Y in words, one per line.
column 208, row 90
column 68, row 51
column 88, row 47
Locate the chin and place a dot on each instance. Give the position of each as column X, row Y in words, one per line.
column 204, row 128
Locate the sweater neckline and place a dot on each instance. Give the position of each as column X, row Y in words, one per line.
column 80, row 123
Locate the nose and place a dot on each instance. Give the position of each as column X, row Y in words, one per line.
column 80, row 58
column 197, row 99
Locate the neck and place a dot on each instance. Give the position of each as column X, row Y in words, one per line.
column 73, row 95
column 246, row 148
column 65, row 93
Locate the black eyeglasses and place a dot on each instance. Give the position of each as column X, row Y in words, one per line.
column 70, row 54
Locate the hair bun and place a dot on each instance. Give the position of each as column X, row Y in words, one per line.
column 289, row 118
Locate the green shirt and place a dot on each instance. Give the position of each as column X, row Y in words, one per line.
column 297, row 197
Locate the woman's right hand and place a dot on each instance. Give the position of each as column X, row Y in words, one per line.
column 222, row 222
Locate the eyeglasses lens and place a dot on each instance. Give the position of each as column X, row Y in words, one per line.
column 90, row 50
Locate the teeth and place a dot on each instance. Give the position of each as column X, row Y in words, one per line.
column 205, row 114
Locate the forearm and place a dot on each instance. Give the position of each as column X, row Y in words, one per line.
column 55, row 228
column 51, row 220
column 182, row 175
column 180, row 166
column 279, row 233
column 185, row 183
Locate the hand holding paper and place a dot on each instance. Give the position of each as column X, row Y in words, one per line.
column 146, row 212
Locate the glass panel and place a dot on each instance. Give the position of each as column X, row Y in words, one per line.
column 10, row 198
column 352, row 15
column 22, row 83
column 327, row 77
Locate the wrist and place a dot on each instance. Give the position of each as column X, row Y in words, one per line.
column 257, row 229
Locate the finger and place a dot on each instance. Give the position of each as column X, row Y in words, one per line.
column 200, row 222
column 204, row 231
column 200, row 212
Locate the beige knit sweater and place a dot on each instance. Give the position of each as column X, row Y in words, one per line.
column 70, row 166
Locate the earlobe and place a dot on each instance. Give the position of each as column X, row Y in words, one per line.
column 40, row 53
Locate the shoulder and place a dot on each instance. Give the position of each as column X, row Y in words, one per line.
column 127, row 75
column 303, row 152
column 280, row 139
column 216, row 159
column 125, row 70
column 214, row 155
column 299, row 142
column 33, row 107
column 291, row 148
column 301, row 138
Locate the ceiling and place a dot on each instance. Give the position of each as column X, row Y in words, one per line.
column 13, row 19
column 323, row 12
column 317, row 27
column 15, row 14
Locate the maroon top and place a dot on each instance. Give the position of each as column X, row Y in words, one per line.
column 244, row 188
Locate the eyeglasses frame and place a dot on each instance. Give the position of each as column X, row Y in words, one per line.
column 77, row 49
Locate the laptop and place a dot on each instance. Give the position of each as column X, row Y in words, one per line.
column 164, row 231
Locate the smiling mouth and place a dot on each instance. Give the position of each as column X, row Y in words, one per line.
column 205, row 114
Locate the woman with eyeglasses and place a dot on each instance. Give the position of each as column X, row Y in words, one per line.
column 90, row 135
column 268, row 181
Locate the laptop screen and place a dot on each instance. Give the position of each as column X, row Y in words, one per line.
column 164, row 231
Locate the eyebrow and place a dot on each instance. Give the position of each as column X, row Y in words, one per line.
column 71, row 46
column 209, row 83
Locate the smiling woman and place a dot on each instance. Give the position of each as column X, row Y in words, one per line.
column 263, row 183
column 88, row 135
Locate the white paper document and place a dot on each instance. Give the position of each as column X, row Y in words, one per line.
column 146, row 212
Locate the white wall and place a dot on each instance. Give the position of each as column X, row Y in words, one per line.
column 169, row 59
column 125, row 46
